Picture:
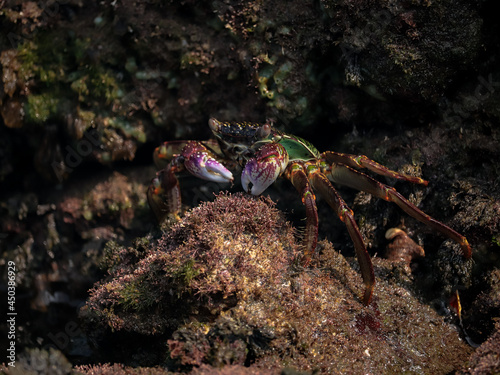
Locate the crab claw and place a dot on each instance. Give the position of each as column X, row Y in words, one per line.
column 269, row 163
column 200, row 163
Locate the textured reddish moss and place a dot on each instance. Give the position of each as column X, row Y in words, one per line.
column 117, row 369
column 241, row 299
column 219, row 250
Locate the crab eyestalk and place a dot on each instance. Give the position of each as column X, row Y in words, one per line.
column 198, row 160
column 262, row 170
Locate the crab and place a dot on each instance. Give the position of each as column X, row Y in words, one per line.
column 263, row 154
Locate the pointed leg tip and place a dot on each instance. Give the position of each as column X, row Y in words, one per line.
column 466, row 249
column 417, row 180
column 367, row 297
column 306, row 260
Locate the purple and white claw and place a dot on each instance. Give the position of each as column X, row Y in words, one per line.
column 262, row 170
column 199, row 162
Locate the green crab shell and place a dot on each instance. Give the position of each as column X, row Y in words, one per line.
column 298, row 148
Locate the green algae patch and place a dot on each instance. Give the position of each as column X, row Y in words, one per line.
column 39, row 108
column 188, row 272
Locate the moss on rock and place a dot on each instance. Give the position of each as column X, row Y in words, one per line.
column 221, row 287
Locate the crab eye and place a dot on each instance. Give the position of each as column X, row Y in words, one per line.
column 264, row 131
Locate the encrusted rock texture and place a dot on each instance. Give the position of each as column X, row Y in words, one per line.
column 224, row 286
column 88, row 90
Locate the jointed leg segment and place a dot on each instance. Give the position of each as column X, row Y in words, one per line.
column 308, row 176
column 347, row 176
column 321, row 184
column 164, row 194
column 361, row 161
column 298, row 176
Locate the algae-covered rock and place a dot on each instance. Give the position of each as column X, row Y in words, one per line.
column 222, row 287
column 198, row 267
column 412, row 49
column 131, row 72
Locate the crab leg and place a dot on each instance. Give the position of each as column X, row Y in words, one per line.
column 296, row 174
column 164, row 194
column 347, row 176
column 361, row 161
column 321, row 184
